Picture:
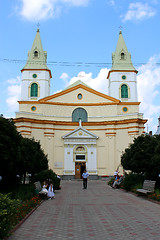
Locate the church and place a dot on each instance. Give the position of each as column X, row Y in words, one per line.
column 80, row 128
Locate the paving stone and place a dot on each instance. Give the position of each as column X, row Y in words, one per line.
column 99, row 212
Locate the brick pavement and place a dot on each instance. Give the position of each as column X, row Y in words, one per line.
column 99, row 212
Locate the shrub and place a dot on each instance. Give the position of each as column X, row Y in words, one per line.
column 50, row 175
column 21, row 191
column 131, row 181
column 8, row 208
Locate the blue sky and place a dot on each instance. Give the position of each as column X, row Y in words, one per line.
column 75, row 33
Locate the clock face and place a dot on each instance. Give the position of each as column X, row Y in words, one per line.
column 34, row 75
column 124, row 77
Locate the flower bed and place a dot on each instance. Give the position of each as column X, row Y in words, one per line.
column 25, row 208
column 12, row 211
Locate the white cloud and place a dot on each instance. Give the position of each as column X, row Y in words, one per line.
column 64, row 77
column 138, row 11
column 149, row 90
column 35, row 10
column 13, row 92
column 98, row 83
column 14, row 80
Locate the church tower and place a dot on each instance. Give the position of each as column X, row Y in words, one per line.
column 35, row 74
column 122, row 76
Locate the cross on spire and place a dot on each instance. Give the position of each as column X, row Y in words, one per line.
column 38, row 25
column 120, row 27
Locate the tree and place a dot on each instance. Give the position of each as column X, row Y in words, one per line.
column 33, row 159
column 9, row 149
column 18, row 155
column 143, row 156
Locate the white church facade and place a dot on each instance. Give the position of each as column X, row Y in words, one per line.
column 80, row 127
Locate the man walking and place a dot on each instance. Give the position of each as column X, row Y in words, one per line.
column 85, row 177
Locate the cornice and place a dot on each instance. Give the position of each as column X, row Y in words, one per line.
column 118, row 122
column 37, row 69
column 121, row 71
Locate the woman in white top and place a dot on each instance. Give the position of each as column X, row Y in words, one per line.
column 51, row 194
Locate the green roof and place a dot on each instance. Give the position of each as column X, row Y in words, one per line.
column 37, row 58
column 121, row 58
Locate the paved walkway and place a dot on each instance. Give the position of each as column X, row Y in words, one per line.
column 99, row 212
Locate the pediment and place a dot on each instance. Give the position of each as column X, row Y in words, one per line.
column 80, row 133
column 70, row 96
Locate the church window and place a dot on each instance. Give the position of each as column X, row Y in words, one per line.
column 125, row 109
column 35, row 53
column 124, row 77
column 79, row 96
column 34, row 75
column 122, row 56
column 33, row 108
column 34, row 90
column 80, row 148
column 79, row 114
column 124, row 91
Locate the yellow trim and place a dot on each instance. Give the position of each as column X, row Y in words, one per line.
column 118, row 122
column 77, row 87
column 26, row 131
column 79, row 104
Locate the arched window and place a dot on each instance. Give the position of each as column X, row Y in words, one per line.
column 34, row 90
column 124, row 91
column 122, row 55
column 79, row 114
column 35, row 53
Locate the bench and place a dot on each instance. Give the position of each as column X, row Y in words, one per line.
column 148, row 187
column 38, row 189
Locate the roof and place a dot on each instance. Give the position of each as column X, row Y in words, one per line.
column 119, row 63
column 39, row 61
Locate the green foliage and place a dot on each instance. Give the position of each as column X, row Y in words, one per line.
column 18, row 155
column 8, row 208
column 143, row 156
column 22, row 191
column 9, row 150
column 33, row 158
column 110, row 182
column 48, row 174
column 131, row 181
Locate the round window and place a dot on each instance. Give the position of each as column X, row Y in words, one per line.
column 124, row 77
column 34, row 75
column 79, row 96
column 125, row 109
column 33, row 108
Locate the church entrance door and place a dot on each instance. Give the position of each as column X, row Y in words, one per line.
column 79, row 169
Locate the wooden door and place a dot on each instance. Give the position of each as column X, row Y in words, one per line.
column 77, row 170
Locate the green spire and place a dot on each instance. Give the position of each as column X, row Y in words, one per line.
column 121, row 58
column 37, row 58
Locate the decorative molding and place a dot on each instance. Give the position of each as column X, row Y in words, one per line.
column 48, row 70
column 114, row 122
column 121, row 71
